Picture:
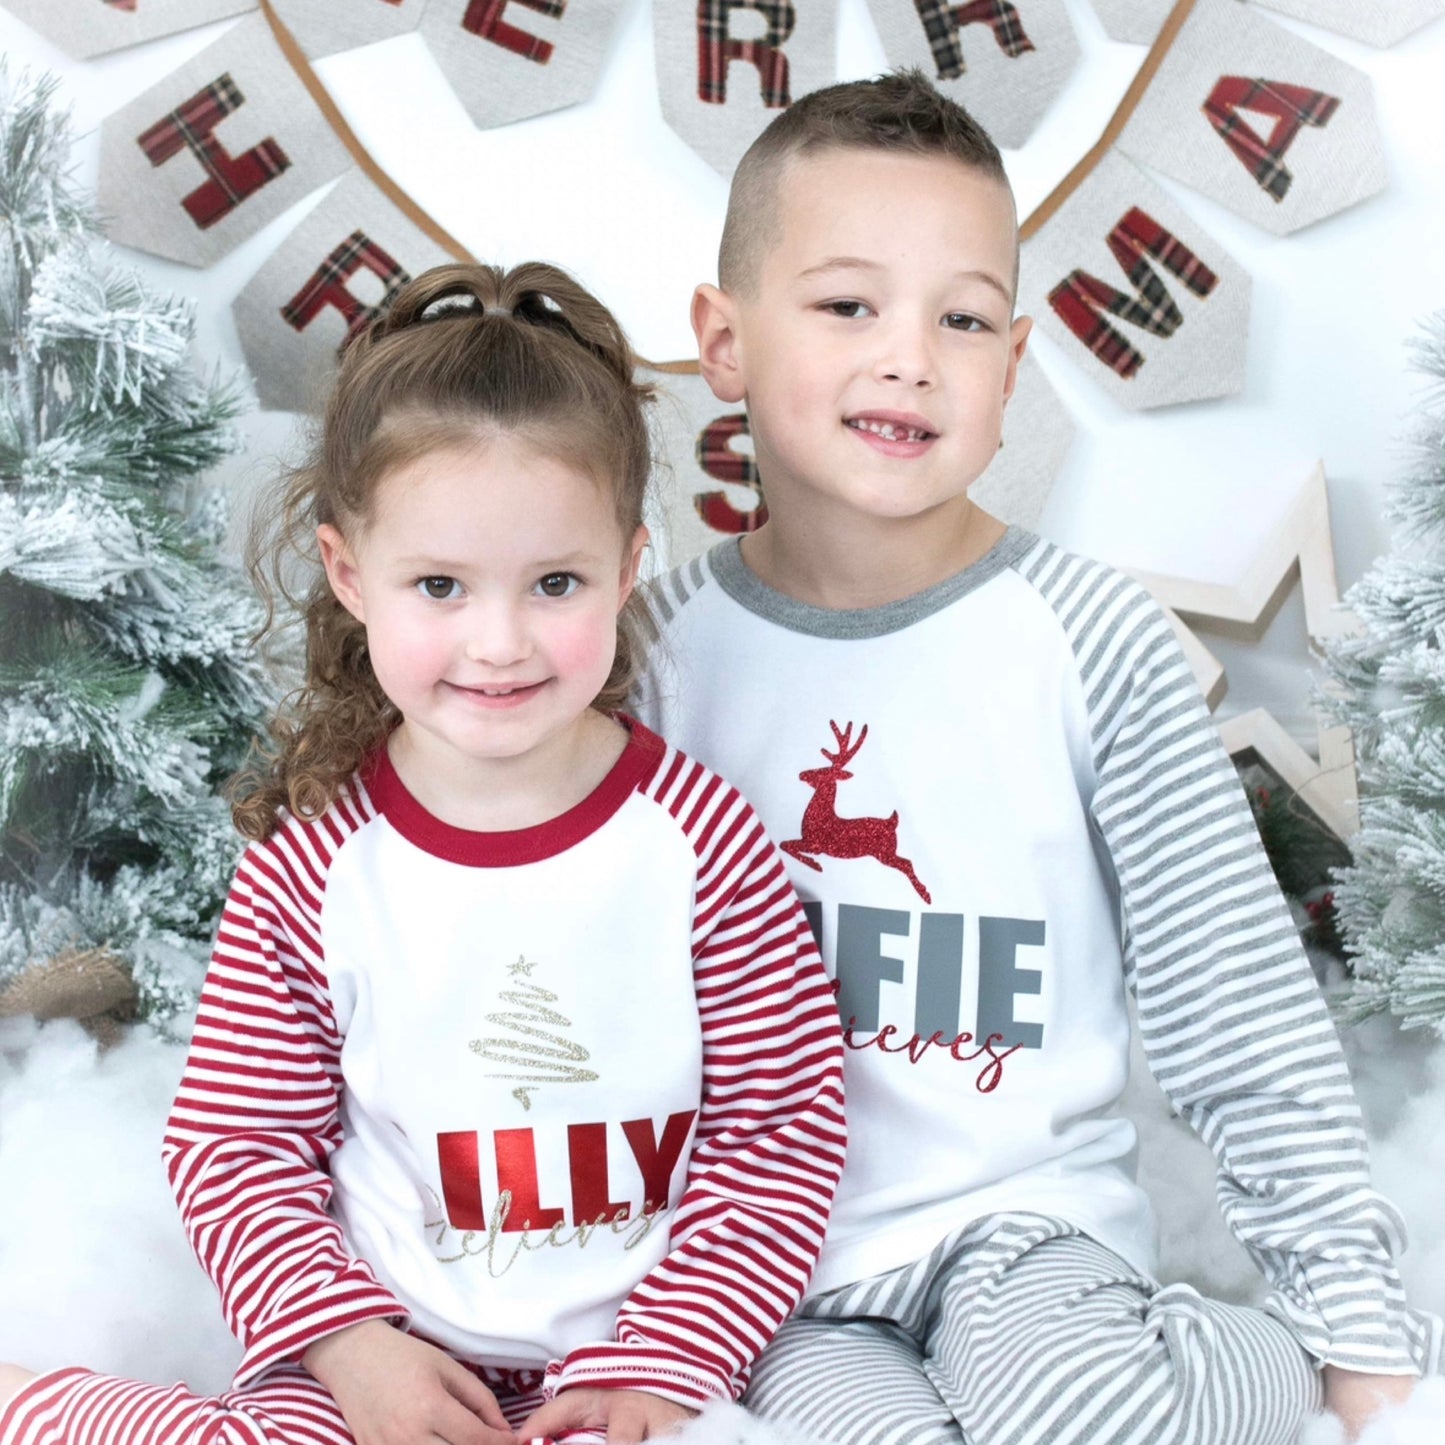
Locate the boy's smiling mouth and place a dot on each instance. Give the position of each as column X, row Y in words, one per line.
column 896, row 427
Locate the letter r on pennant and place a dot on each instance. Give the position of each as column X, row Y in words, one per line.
column 716, row 48
column 1080, row 299
column 1292, row 106
column 717, row 458
column 327, row 286
column 231, row 178
column 942, row 22
column 484, row 18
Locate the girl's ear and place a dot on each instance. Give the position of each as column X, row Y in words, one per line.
column 631, row 562
column 341, row 573
column 715, row 323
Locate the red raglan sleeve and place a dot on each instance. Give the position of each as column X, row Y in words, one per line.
column 769, row 1144
column 257, row 1116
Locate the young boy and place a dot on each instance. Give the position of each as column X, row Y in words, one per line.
column 1002, row 799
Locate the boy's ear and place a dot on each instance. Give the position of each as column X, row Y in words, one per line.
column 340, row 568
column 1018, row 341
column 715, row 323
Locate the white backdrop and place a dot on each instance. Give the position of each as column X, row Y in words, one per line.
column 609, row 191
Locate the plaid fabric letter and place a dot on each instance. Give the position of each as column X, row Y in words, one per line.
column 942, row 22
column 327, row 287
column 716, row 47
column 717, row 458
column 484, row 18
column 231, row 178
column 1291, row 106
column 1080, row 299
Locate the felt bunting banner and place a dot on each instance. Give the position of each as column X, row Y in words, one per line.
column 322, row 27
column 725, row 68
column 509, row 59
column 1136, row 21
column 1005, row 60
column 1377, row 22
column 84, row 28
column 224, row 144
column 1258, row 119
column 1134, row 292
column 323, row 284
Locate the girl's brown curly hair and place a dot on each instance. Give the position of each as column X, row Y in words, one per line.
column 461, row 352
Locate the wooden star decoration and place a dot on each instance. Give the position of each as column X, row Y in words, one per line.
column 1300, row 549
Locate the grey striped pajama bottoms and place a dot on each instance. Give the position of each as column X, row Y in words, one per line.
column 1019, row 1330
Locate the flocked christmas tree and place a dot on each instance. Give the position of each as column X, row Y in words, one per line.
column 1391, row 678
column 128, row 689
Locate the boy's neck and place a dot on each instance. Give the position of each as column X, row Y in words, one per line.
column 852, row 561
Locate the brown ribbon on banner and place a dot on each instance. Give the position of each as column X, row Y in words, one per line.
column 334, row 118
column 1141, row 82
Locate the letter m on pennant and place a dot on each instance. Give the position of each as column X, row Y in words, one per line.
column 1292, row 106
column 716, row 48
column 327, row 287
column 231, row 178
column 942, row 22
column 1081, row 300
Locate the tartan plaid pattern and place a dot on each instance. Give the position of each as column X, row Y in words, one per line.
column 231, row 178
column 484, row 18
column 942, row 22
column 327, row 286
column 1079, row 297
column 717, row 458
column 716, row 47
column 1292, row 106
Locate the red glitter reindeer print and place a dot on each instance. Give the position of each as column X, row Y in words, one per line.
column 828, row 835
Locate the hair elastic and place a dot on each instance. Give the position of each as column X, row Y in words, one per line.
column 496, row 311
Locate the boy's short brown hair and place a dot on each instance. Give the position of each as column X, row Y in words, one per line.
column 901, row 111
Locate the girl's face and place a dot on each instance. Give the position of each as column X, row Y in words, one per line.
column 489, row 581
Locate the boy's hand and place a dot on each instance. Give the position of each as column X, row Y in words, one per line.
column 1354, row 1397
column 393, row 1389
column 628, row 1416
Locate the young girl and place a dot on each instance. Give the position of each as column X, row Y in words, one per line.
column 513, row 1107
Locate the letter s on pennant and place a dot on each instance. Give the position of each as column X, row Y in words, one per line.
column 715, row 455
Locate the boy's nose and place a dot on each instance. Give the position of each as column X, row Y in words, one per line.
column 907, row 357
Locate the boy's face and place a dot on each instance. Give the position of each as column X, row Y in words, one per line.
column 875, row 347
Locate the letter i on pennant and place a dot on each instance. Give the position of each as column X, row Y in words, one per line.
column 715, row 455
column 230, row 178
column 327, row 286
column 1292, row 106
column 716, row 48
column 1081, row 300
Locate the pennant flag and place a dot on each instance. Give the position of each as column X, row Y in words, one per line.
column 1137, row 21
column 708, row 486
column 1005, row 60
column 221, row 146
column 1259, row 119
column 1376, row 22
column 1037, row 433
column 322, row 27
column 725, row 68
column 84, row 28
column 323, row 284
column 1134, row 292
column 508, row 59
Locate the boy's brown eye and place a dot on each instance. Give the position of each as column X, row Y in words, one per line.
column 438, row 588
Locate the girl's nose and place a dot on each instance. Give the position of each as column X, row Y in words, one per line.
column 497, row 635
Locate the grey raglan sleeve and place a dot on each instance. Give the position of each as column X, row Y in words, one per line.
column 1233, row 1023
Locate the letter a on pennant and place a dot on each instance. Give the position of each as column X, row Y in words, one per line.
column 1234, row 95
column 1120, row 219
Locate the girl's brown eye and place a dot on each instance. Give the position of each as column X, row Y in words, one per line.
column 556, row 584
column 438, row 588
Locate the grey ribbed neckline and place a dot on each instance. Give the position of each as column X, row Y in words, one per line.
column 747, row 589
